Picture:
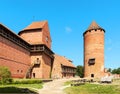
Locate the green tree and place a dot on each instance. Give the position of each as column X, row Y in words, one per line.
column 116, row 71
column 109, row 70
column 80, row 71
column 5, row 75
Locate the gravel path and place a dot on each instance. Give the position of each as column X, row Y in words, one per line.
column 54, row 87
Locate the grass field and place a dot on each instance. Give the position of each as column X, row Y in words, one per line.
column 113, row 88
column 20, row 88
column 93, row 89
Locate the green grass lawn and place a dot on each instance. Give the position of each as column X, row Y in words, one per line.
column 34, row 86
column 67, row 83
column 16, row 90
column 19, row 88
column 93, row 89
column 22, row 86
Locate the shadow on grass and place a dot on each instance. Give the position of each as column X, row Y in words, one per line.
column 16, row 90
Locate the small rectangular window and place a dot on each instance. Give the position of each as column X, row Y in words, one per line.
column 91, row 61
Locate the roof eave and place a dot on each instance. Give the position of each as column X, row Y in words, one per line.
column 93, row 29
column 28, row 30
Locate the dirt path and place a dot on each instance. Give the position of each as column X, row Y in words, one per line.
column 54, row 87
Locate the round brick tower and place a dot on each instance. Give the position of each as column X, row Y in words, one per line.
column 94, row 51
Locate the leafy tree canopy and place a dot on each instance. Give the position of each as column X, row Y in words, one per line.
column 80, row 71
column 5, row 75
column 116, row 71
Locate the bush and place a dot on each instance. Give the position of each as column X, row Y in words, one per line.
column 27, row 81
column 5, row 75
column 7, row 81
column 116, row 71
column 80, row 71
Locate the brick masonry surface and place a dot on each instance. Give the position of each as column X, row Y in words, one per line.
column 14, row 57
column 94, row 48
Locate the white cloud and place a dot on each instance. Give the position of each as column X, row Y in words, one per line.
column 68, row 29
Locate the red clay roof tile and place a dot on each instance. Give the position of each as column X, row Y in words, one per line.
column 64, row 61
column 36, row 25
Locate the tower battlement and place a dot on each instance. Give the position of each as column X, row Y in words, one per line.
column 93, row 27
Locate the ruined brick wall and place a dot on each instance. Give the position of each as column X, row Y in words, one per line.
column 94, row 48
column 16, row 58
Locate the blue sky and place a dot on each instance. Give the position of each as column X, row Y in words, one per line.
column 68, row 19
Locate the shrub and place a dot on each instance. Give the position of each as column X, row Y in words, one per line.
column 27, row 81
column 80, row 71
column 7, row 81
column 5, row 75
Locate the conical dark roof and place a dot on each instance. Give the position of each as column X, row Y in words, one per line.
column 94, row 26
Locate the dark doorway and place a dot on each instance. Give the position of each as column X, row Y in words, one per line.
column 64, row 75
column 92, row 75
column 33, row 75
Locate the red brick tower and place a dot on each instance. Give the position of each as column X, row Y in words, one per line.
column 94, row 51
column 38, row 36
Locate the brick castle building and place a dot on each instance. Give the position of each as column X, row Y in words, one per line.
column 94, row 51
column 63, row 67
column 29, row 54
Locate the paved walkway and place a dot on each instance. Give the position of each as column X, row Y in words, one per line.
column 54, row 87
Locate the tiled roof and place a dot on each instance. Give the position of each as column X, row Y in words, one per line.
column 36, row 25
column 94, row 25
column 64, row 61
